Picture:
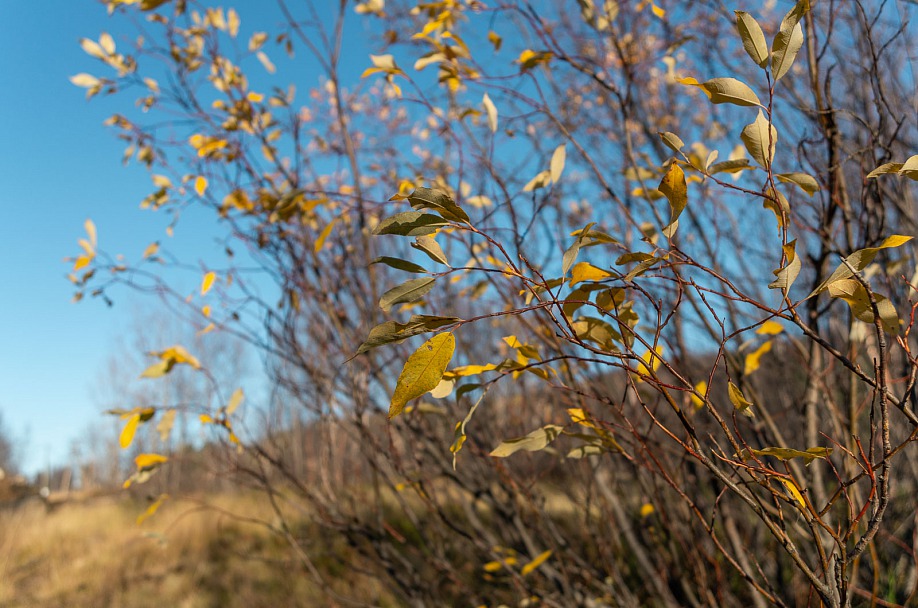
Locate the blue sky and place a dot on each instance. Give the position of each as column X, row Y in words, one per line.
column 59, row 166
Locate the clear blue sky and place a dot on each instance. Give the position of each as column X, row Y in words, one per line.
column 58, row 167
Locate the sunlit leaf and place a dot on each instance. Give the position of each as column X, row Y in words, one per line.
column 770, row 328
column 166, row 422
column 804, row 181
column 542, row 179
column 584, row 271
column 152, row 509
column 760, row 138
column 786, row 276
column 739, row 401
column 855, row 295
column 674, row 189
column 557, row 163
column 540, row 559
column 144, row 461
column 423, row 371
column 725, row 90
column 533, row 442
column 672, row 141
column 129, row 430
column 234, row 402
column 793, row 491
column 491, row 111
column 200, row 185
column 788, row 40
column 753, row 38
column 859, row 260
column 752, row 361
column 208, row 282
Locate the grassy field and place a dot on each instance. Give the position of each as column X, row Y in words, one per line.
column 93, row 553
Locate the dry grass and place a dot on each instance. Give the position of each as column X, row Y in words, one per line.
column 94, row 554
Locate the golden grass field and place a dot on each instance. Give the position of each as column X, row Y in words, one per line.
column 93, row 553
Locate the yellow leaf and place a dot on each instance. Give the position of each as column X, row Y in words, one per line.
column 207, row 282
column 472, row 370
column 144, row 461
column 535, row 563
column 107, row 43
column 232, row 22
column 91, row 231
column 324, row 235
column 584, row 271
column 793, row 491
column 254, row 97
column 127, row 433
column 200, row 185
column 556, row 167
column 647, row 509
column 659, row 12
column 752, row 359
column 491, row 111
column 651, row 358
column 701, row 387
column 269, row 67
column 179, row 355
column 235, row 401
column 151, row 510
column 81, row 262
column 770, row 328
column 423, row 371
column 84, row 80
column 205, row 310
column 158, row 369
column 165, row 425
column 739, row 401
column 205, row 419
column 151, row 249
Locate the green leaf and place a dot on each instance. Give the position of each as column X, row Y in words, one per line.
column 672, row 141
column 725, row 90
column 809, row 455
column 756, row 136
column 859, row 260
column 409, row 291
column 533, row 442
column 399, row 264
column 674, row 189
column 423, row 371
column 739, row 401
column 788, row 40
column 788, row 274
column 410, row 223
column 804, row 181
column 753, row 39
column 429, row 245
column 439, row 201
column 391, row 332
